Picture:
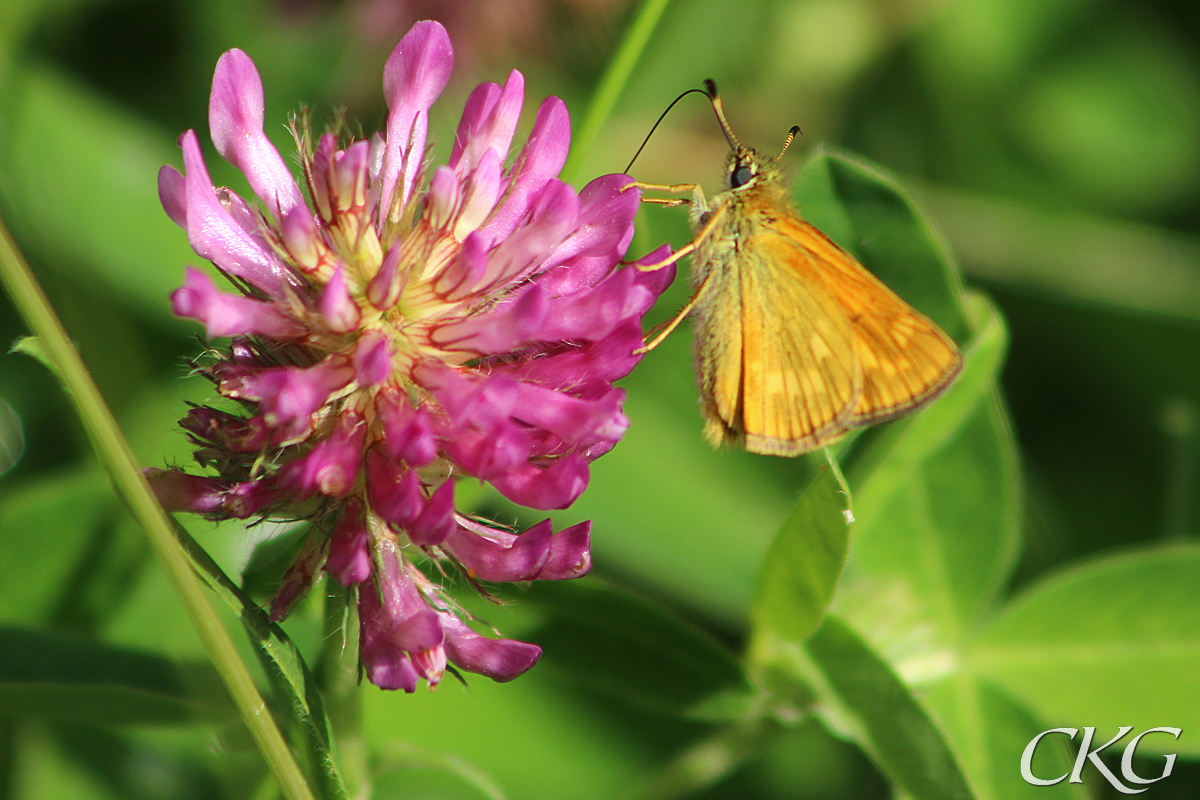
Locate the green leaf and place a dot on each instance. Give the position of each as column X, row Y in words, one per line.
column 629, row 647
column 991, row 730
column 862, row 695
column 1113, row 642
column 83, row 680
column 89, row 202
column 802, row 567
column 294, row 684
column 46, row 526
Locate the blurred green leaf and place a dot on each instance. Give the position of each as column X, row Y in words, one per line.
column 632, row 648
column 862, row 695
column 405, row 771
column 12, row 437
column 1112, row 642
column 79, row 179
column 802, row 566
column 81, row 679
column 45, row 527
column 990, row 731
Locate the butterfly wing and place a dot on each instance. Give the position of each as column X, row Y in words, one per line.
column 906, row 359
column 776, row 351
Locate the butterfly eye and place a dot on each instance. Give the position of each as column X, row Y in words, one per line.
column 740, row 177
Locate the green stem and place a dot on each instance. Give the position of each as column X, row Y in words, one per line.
column 613, row 82
column 338, row 676
column 114, row 453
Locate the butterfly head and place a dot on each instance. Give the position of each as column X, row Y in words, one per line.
column 745, row 167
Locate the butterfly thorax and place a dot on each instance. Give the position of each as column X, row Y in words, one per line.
column 755, row 193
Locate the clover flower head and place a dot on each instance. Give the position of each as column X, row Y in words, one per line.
column 397, row 327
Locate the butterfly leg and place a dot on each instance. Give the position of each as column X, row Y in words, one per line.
column 690, row 246
column 661, row 332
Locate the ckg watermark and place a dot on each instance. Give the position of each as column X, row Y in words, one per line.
column 1128, row 779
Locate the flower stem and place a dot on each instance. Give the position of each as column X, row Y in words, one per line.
column 637, row 35
column 114, row 453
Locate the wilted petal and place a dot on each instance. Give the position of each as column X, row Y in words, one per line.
column 178, row 491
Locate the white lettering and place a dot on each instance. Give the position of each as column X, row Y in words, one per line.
column 1027, row 758
column 1131, row 748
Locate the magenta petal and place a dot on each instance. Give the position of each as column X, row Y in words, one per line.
column 488, row 122
column 215, row 234
column 395, row 491
column 596, row 362
column 331, row 467
column 341, row 313
column 572, row 419
column 542, row 158
column 436, row 521
column 415, row 74
column 287, row 394
column 555, row 486
column 228, row 314
column 526, row 250
column 178, row 491
column 349, row 560
column 172, row 193
column 383, row 291
column 235, row 117
column 415, row 626
column 570, row 554
column 408, row 432
column 499, row 330
column 498, row 659
column 498, row 556
column 372, row 359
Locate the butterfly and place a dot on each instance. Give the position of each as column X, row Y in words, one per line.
column 796, row 342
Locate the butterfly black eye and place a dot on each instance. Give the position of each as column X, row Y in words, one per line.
column 740, row 177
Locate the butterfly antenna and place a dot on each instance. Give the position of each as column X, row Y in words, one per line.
column 656, row 124
column 710, row 89
column 787, row 140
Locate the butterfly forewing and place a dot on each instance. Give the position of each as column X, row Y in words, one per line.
column 906, row 360
column 788, row 381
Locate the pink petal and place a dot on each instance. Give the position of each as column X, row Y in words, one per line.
column 228, row 314
column 341, row 313
column 498, row 659
column 542, row 158
column 214, row 234
column 235, row 117
column 488, row 122
column 555, row 486
column 416, row 72
column 172, row 193
column 349, row 559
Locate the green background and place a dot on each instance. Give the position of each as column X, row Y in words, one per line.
column 1024, row 554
